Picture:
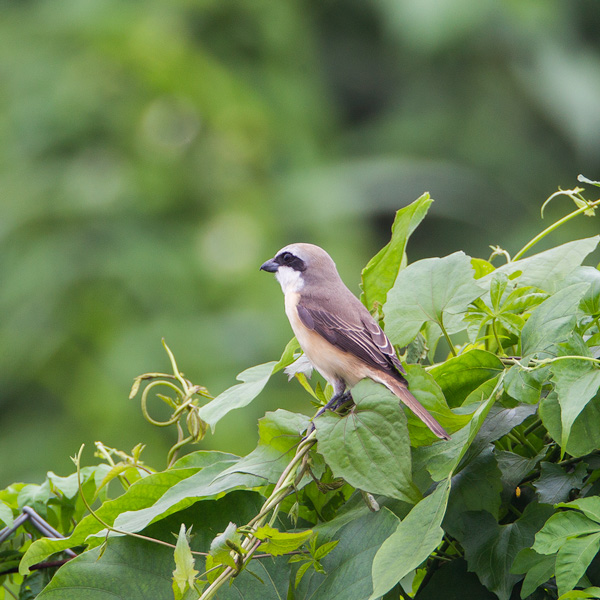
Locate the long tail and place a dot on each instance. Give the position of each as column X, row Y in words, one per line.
column 405, row 396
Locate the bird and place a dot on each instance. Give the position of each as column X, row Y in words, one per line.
column 336, row 332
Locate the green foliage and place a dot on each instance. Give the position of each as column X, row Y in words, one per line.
column 367, row 504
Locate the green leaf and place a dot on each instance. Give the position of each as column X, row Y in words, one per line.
column 591, row 592
column 279, row 434
column 475, row 487
column 590, row 303
column 589, row 506
column 539, row 569
column 254, row 380
column 499, row 281
column 6, row 514
column 551, row 322
column 441, row 458
column 426, row 390
column 220, row 548
column 184, row 574
column 524, row 386
column 381, row 271
column 277, row 542
column 461, row 375
column 434, row 290
column 560, row 527
column 415, row 538
column 348, row 566
column 555, row 484
column 369, row 447
column 548, row 269
column 576, row 382
column 452, row 581
column 585, row 432
column 572, row 560
column 141, row 494
column 490, row 549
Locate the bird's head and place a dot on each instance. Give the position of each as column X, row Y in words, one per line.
column 297, row 263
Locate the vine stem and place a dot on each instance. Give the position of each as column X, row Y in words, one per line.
column 552, row 227
column 283, row 486
column 447, row 337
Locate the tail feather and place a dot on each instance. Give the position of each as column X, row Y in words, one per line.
column 407, row 398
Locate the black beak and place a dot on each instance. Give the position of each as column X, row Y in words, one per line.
column 270, row 266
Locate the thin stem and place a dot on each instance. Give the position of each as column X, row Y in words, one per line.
column 552, row 227
column 494, row 329
column 448, row 340
column 532, row 427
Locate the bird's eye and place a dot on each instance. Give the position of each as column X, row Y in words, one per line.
column 287, row 257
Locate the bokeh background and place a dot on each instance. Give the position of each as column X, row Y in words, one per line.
column 153, row 154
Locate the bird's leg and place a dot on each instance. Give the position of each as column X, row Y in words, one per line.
column 335, row 402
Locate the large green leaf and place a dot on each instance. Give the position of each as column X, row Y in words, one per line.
column 551, row 322
column 561, row 527
column 589, row 506
column 415, row 538
column 134, row 569
column 576, row 382
column 573, row 558
column 490, row 548
column 434, row 290
column 452, row 581
column 524, row 386
column 441, row 458
column 555, row 484
column 369, row 447
column 477, row 486
column 348, row 566
column 240, row 395
column 141, row 494
column 461, row 375
column 548, row 269
column 585, row 432
column 538, row 568
column 279, row 434
column 381, row 271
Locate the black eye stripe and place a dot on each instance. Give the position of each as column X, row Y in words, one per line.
column 287, row 259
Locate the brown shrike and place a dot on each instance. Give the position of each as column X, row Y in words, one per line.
column 336, row 332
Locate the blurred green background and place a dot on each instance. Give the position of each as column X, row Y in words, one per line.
column 154, row 154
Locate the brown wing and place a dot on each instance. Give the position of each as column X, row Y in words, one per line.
column 365, row 339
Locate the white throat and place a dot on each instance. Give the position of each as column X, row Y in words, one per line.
column 290, row 280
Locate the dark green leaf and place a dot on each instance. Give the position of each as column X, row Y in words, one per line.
column 452, row 581
column 460, row 375
column 475, row 487
column 555, row 483
column 433, row 289
column 416, row 537
column 369, row 447
column 381, row 271
column 491, row 548
column 348, row 566
column 539, row 569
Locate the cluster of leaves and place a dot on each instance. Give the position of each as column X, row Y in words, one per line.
column 369, row 504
